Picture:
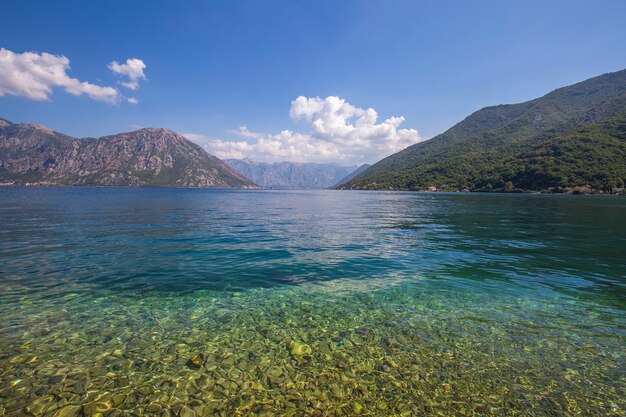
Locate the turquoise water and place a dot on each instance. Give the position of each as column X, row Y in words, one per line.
column 175, row 302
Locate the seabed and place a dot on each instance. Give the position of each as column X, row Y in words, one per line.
column 388, row 346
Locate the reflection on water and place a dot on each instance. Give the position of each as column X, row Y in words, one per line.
column 204, row 302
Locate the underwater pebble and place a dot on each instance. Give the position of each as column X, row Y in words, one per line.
column 68, row 411
column 294, row 351
column 298, row 349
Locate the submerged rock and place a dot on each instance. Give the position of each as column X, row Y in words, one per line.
column 118, row 399
column 68, row 411
column 185, row 411
column 99, row 406
column 196, row 361
column 299, row 349
column 153, row 408
column 40, row 405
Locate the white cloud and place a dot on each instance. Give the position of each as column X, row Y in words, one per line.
column 283, row 146
column 33, row 75
column 132, row 100
column 338, row 132
column 133, row 69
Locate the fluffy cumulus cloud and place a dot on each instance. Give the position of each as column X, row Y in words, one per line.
column 338, row 131
column 132, row 69
column 33, row 75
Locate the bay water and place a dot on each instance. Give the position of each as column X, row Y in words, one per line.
column 194, row 302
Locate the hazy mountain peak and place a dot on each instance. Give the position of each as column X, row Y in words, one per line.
column 287, row 174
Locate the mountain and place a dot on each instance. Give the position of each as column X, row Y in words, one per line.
column 353, row 174
column 497, row 148
column 34, row 154
column 592, row 157
column 291, row 174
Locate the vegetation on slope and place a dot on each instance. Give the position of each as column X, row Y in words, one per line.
column 593, row 156
column 471, row 154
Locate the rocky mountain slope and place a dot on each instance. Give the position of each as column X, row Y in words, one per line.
column 476, row 154
column 34, row 154
column 291, row 174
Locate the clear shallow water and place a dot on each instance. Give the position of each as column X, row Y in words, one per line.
column 213, row 302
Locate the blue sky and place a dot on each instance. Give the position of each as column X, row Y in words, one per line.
column 213, row 68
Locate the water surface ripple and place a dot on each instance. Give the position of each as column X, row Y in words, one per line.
column 173, row 302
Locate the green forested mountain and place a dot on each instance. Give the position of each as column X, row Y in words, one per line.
column 594, row 156
column 570, row 137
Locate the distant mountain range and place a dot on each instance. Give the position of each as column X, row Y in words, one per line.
column 353, row 174
column 34, row 154
column 573, row 137
column 291, row 174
